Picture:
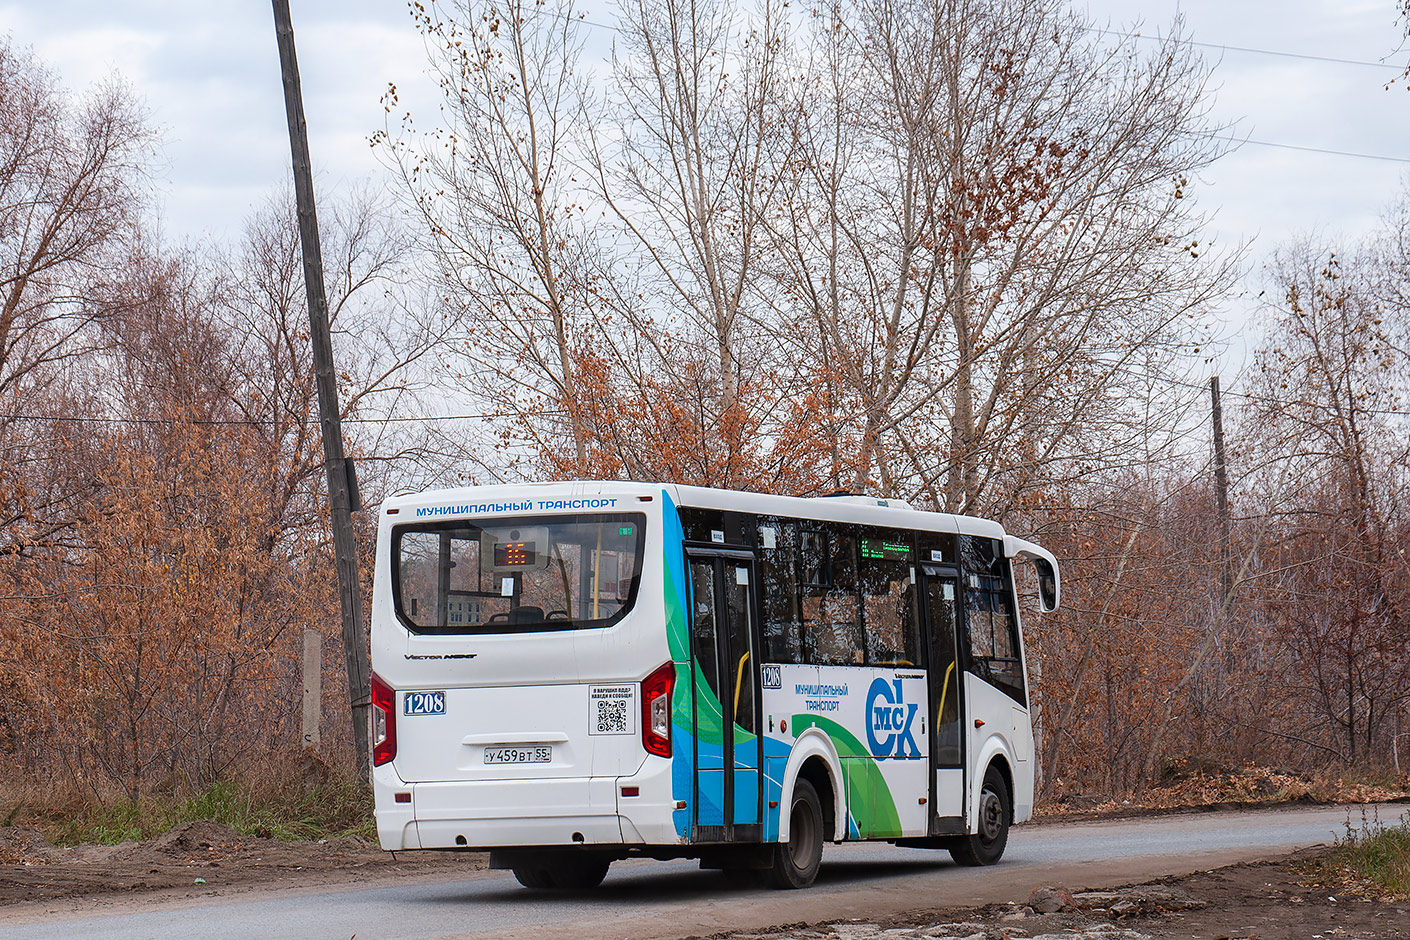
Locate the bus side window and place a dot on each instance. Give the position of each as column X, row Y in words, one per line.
column 990, row 624
column 703, row 626
column 778, row 591
column 832, row 633
column 889, row 609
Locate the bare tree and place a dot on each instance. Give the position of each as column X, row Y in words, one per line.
column 703, row 135
column 72, row 190
column 72, row 194
column 1331, row 393
column 995, row 238
column 491, row 187
column 389, row 332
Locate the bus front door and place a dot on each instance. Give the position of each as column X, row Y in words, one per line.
column 946, row 679
column 726, row 669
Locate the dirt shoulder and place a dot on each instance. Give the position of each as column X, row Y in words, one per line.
column 1280, row 899
column 200, row 857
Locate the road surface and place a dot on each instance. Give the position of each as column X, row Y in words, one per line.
column 648, row 899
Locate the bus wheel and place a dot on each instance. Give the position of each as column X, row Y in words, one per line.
column 563, row 872
column 578, row 873
column 532, row 876
column 796, row 863
column 986, row 846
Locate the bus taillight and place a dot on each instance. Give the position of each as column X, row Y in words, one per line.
column 384, row 722
column 656, row 710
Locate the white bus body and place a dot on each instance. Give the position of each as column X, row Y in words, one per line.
column 571, row 673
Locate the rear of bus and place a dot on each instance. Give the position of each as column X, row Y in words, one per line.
column 522, row 677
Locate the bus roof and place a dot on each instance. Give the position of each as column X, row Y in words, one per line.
column 871, row 510
column 858, row 509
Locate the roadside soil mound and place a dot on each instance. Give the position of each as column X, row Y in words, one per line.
column 25, row 846
column 200, row 836
column 1206, row 790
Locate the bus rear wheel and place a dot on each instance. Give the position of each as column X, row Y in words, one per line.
column 986, row 846
column 796, row 862
column 562, row 872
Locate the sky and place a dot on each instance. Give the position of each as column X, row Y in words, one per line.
column 1266, row 194
column 209, row 74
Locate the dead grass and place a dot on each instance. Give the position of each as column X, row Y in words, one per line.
column 1372, row 860
column 1188, row 785
column 335, row 804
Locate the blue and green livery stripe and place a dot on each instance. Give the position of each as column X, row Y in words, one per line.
column 869, row 800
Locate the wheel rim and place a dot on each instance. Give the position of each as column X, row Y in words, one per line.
column 802, row 830
column 991, row 815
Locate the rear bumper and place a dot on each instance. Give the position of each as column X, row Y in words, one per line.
column 508, row 813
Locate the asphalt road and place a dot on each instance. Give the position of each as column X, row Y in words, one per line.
column 647, row 899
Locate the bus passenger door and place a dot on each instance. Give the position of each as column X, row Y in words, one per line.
column 947, row 796
column 726, row 670
column 996, row 700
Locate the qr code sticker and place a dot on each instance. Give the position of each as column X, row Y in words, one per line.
column 612, row 710
column 611, row 717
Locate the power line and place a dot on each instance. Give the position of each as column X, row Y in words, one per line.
column 1222, row 47
column 1187, row 42
column 247, row 422
column 1263, row 399
column 1335, row 153
column 1226, row 48
column 81, row 419
column 431, row 419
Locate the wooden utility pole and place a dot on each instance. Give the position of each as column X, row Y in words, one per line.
column 1221, row 495
column 341, row 485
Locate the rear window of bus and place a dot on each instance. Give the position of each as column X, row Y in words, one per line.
column 521, row 575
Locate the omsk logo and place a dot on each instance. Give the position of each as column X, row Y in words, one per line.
column 890, row 721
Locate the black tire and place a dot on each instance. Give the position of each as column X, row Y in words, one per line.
column 562, row 872
column 532, row 876
column 986, row 846
column 579, row 874
column 796, row 863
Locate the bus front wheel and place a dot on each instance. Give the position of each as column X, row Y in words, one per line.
column 796, row 862
column 986, row 845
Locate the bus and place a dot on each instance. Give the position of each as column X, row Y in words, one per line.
column 569, row 674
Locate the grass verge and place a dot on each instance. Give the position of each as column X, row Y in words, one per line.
column 1373, row 859
column 335, row 808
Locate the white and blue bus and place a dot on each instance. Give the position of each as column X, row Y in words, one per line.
column 566, row 674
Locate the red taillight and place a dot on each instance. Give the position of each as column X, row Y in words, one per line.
column 656, row 710
column 384, row 722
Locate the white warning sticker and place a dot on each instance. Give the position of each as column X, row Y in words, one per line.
column 612, row 709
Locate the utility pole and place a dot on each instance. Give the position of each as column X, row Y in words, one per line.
column 342, row 486
column 1221, row 495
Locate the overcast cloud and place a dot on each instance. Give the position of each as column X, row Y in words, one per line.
column 209, row 73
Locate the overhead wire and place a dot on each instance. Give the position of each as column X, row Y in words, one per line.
column 490, row 415
column 1188, row 42
column 1251, row 49
column 1223, row 47
column 247, row 422
column 1252, row 396
column 1335, row 153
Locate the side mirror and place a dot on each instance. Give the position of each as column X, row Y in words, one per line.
column 1049, row 583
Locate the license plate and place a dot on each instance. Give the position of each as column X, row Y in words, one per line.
column 539, row 754
column 424, row 703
